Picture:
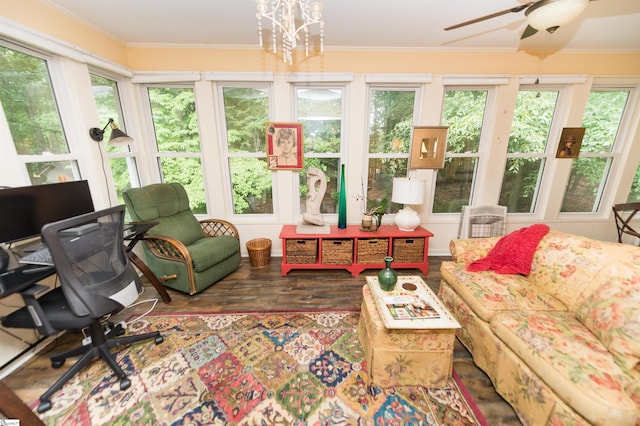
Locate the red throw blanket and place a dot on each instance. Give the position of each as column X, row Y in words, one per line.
column 513, row 253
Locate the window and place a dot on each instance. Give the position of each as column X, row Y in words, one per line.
column 526, row 156
column 602, row 117
column 173, row 111
column 246, row 113
column 29, row 104
column 391, row 114
column 121, row 159
column 463, row 111
column 320, row 110
column 634, row 193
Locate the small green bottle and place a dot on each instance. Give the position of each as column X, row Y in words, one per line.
column 387, row 277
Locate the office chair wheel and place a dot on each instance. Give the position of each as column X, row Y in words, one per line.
column 44, row 406
column 125, row 384
column 159, row 340
column 58, row 363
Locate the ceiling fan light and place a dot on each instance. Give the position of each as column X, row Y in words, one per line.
column 547, row 14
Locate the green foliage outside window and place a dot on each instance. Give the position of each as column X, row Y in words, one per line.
column 463, row 111
column 320, row 112
column 29, row 104
column 601, row 119
column 246, row 112
column 176, row 129
column 390, row 132
column 530, row 127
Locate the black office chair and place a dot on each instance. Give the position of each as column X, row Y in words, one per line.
column 97, row 281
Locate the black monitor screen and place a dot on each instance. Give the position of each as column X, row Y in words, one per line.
column 25, row 210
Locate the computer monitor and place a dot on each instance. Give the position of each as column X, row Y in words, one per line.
column 25, row 210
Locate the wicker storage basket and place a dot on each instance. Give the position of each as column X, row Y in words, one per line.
column 408, row 250
column 303, row 251
column 373, row 250
column 337, row 252
column 259, row 251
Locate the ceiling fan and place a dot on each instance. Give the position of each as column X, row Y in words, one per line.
column 546, row 15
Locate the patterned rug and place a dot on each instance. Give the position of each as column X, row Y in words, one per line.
column 256, row 368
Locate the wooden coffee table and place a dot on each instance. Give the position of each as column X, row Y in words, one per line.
column 407, row 334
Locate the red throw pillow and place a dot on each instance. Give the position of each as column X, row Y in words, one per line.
column 513, row 253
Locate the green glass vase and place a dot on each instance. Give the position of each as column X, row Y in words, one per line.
column 387, row 277
column 342, row 202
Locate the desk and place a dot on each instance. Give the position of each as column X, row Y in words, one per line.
column 134, row 232
column 19, row 279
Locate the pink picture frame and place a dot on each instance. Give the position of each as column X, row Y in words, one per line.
column 285, row 146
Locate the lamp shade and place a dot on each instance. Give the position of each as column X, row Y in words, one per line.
column 118, row 138
column 551, row 14
column 408, row 191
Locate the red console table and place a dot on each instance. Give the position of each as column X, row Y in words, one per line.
column 355, row 250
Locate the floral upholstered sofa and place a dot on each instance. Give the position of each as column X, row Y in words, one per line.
column 561, row 344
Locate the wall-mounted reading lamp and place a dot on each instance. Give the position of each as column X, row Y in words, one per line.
column 118, row 137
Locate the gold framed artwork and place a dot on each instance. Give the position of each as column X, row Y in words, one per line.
column 284, row 146
column 570, row 142
column 428, row 147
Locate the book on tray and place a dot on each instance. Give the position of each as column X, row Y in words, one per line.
column 407, row 307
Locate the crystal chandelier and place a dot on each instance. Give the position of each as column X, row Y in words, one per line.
column 283, row 15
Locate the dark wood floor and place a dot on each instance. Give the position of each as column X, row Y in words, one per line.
column 264, row 288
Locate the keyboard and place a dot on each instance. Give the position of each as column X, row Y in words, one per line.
column 41, row 256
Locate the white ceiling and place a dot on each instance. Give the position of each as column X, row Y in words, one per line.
column 404, row 24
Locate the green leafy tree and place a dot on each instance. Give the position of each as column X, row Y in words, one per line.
column 176, row 128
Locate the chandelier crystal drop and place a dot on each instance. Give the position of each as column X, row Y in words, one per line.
column 289, row 18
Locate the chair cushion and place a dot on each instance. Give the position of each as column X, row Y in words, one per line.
column 210, row 251
column 168, row 204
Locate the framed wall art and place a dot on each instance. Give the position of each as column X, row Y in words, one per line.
column 428, row 147
column 284, row 146
column 570, row 142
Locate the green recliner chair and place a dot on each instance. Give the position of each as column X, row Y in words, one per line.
column 185, row 254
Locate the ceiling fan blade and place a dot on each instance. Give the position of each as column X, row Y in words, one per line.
column 528, row 32
column 493, row 15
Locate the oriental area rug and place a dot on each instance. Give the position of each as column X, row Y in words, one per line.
column 252, row 368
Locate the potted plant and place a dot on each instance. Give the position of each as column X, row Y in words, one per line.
column 372, row 218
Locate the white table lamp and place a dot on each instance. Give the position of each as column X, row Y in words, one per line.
column 408, row 191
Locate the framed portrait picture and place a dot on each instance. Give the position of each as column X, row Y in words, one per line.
column 284, row 146
column 570, row 142
column 428, row 147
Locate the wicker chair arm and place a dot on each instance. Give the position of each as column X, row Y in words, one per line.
column 168, row 248
column 218, row 227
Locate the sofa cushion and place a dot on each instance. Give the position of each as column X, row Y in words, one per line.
column 210, row 251
column 469, row 250
column 488, row 292
column 571, row 361
column 612, row 311
column 564, row 265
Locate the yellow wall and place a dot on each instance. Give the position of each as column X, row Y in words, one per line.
column 39, row 16
column 512, row 63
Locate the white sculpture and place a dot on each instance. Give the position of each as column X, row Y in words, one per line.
column 317, row 183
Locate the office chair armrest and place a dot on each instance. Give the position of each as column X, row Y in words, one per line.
column 218, row 227
column 34, row 308
column 167, row 248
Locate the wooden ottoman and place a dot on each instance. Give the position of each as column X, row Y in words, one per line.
column 406, row 356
